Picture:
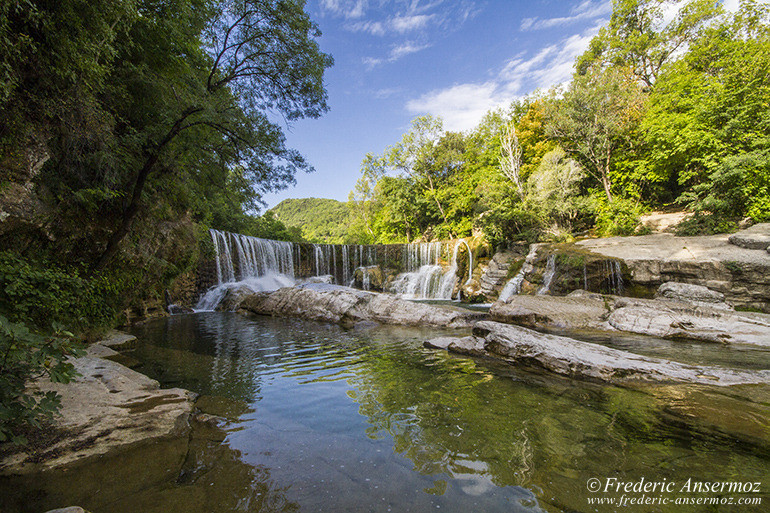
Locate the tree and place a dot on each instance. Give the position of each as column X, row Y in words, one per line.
column 264, row 57
column 510, row 158
column 590, row 121
column 638, row 37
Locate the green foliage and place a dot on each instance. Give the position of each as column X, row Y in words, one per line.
column 39, row 293
column 26, row 355
column 619, row 217
column 319, row 220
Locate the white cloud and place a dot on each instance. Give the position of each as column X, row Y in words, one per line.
column 587, row 10
column 350, row 9
column 403, row 24
column 463, row 105
column 396, row 52
column 372, row 27
column 460, row 106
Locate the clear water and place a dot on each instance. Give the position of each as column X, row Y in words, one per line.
column 320, row 418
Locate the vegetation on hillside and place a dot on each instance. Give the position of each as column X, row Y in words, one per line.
column 320, row 220
column 657, row 112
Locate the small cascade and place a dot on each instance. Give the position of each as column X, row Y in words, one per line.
column 613, row 283
column 513, row 287
column 550, row 272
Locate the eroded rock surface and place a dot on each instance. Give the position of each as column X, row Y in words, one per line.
column 742, row 275
column 344, row 305
column 754, row 237
column 105, row 411
column 584, row 360
column 555, row 312
column 670, row 319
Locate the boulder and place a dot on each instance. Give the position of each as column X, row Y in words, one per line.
column 554, row 312
column 118, row 341
column 587, row 361
column 345, row 305
column 755, row 237
column 108, row 409
column 690, row 293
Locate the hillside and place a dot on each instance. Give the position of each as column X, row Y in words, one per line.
column 320, row 219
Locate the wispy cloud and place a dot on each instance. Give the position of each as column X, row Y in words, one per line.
column 403, row 24
column 463, row 105
column 396, row 52
column 345, row 8
column 587, row 10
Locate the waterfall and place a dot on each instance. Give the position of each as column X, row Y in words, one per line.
column 614, row 277
column 248, row 262
column 425, row 277
column 550, row 272
column 513, row 287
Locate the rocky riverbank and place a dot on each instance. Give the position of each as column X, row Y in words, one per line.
column 108, row 412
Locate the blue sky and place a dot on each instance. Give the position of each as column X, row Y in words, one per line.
column 398, row 59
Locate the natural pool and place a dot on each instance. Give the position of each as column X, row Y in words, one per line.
column 322, row 418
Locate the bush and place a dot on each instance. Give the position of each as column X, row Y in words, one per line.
column 26, row 355
column 40, row 294
column 619, row 217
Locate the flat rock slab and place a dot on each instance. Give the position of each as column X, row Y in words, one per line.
column 105, row 411
column 690, row 293
column 755, row 237
column 118, row 341
column 588, row 361
column 554, row 312
column 345, row 305
column 672, row 320
column 663, row 318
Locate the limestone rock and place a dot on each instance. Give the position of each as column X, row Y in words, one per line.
column 554, row 312
column 742, row 275
column 118, row 341
column 754, row 237
column 589, row 361
column 105, row 411
column 344, row 305
column 681, row 320
column 690, row 293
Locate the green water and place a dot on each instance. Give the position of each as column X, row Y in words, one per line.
column 320, row 418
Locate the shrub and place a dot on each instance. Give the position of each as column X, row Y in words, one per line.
column 39, row 294
column 26, row 355
column 619, row 217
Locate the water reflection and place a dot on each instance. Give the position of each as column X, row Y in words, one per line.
column 369, row 420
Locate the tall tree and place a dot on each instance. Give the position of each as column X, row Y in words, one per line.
column 590, row 121
column 265, row 58
column 638, row 35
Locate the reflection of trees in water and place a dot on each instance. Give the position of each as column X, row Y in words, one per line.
column 213, row 478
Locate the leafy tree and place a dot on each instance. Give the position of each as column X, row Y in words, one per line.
column 638, row 37
column 592, row 119
column 707, row 125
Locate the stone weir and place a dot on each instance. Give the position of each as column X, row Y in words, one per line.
column 431, row 270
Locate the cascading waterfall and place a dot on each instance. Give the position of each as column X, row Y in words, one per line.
column 264, row 265
column 513, row 287
column 550, row 272
column 426, row 278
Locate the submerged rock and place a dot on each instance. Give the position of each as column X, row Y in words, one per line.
column 344, row 305
column 585, row 360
